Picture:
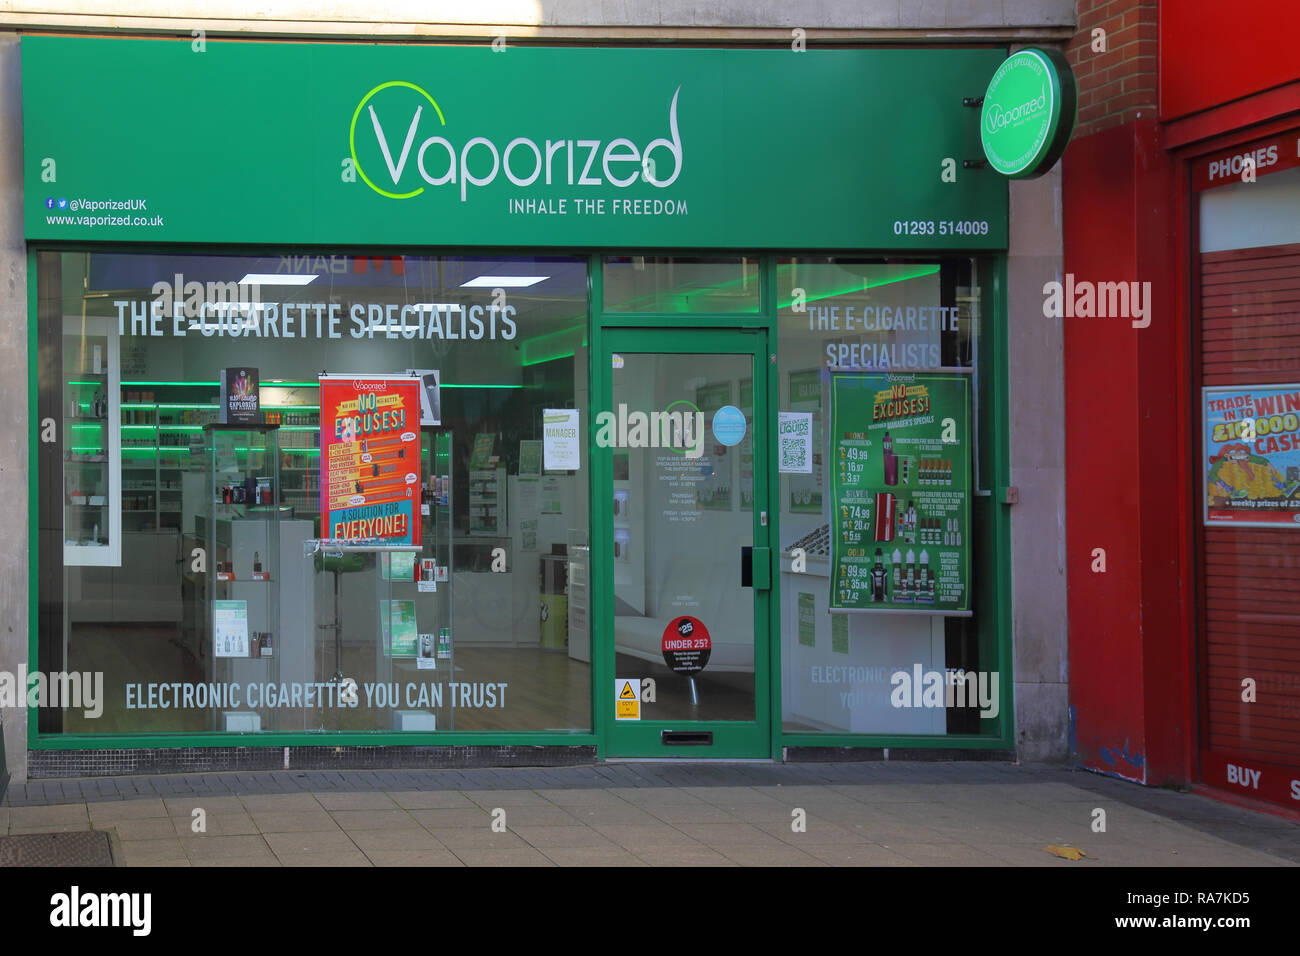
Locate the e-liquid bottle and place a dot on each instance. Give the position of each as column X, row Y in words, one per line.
column 923, row 592
column 909, row 576
column 257, row 563
column 897, row 564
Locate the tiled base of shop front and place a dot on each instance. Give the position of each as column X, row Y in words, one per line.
column 42, row 764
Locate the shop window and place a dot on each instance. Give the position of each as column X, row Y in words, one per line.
column 1249, row 403
column 670, row 284
column 184, row 553
column 881, row 527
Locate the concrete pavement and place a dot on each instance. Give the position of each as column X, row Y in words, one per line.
column 636, row 814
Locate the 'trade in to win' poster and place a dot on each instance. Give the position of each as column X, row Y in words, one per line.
column 370, row 458
column 1252, row 455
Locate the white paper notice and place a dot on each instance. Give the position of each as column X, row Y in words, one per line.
column 794, row 434
column 560, row 439
column 230, row 628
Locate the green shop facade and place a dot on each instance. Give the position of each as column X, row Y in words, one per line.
column 709, row 347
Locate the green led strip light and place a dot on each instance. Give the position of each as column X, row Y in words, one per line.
column 925, row 271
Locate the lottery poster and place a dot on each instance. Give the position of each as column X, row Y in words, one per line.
column 1252, row 455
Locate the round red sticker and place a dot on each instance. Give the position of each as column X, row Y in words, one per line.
column 686, row 645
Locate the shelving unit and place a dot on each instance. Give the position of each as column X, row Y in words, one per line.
column 160, row 443
column 162, row 440
column 487, row 501
column 92, row 460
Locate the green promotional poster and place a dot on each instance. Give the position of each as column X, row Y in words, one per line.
column 900, row 492
column 397, row 621
column 807, row 619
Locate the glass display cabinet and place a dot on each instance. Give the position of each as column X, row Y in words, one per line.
column 243, row 549
column 383, row 648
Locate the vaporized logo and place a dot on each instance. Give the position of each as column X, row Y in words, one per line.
column 391, row 127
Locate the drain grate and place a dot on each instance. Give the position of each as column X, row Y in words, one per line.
column 80, row 848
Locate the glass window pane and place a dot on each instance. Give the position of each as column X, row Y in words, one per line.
column 669, row 284
column 679, row 527
column 216, row 610
column 837, row 669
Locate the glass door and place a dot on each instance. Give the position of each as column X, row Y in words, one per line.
column 686, row 631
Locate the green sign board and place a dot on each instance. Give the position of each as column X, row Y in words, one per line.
column 404, row 144
column 1028, row 113
column 900, row 492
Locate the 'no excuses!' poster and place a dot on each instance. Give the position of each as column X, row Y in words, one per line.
column 370, row 458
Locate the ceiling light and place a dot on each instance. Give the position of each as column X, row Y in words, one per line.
column 269, row 278
column 503, row 282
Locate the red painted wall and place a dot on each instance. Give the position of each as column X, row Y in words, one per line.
column 1213, row 52
column 1125, row 417
column 1102, row 463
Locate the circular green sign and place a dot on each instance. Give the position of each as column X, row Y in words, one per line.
column 1028, row 113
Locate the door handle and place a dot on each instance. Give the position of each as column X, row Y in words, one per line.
column 756, row 568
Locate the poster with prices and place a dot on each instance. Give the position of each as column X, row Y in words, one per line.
column 900, row 492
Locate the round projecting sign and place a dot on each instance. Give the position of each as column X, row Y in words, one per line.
column 1028, row 113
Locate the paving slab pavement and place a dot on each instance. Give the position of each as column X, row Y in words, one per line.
column 655, row 814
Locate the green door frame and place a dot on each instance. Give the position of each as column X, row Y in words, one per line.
column 642, row 738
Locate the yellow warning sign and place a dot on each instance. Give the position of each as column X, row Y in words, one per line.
column 627, row 699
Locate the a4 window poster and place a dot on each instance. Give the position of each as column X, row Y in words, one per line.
column 900, row 492
column 370, row 458
column 230, row 628
column 1252, row 455
column 806, row 396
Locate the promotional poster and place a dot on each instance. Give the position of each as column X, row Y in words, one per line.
column 240, row 398
column 370, row 458
column 900, row 492
column 1252, row 455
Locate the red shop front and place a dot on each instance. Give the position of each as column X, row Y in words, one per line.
column 1183, row 430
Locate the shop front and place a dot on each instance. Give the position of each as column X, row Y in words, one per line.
column 426, row 397
column 1246, row 335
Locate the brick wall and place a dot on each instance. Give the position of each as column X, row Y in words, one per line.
column 1118, row 84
